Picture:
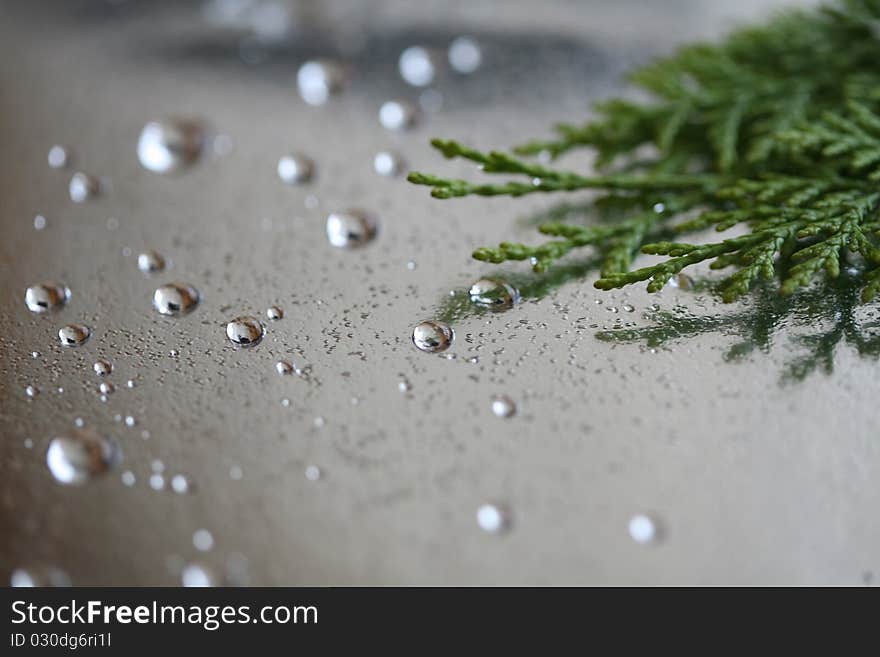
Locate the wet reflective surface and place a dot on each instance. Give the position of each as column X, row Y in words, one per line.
column 747, row 433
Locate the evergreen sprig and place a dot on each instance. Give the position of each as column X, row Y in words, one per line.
column 774, row 131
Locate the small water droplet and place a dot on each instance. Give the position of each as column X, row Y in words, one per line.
column 106, row 388
column 681, row 281
column 388, row 163
column 130, row 421
column 397, row 115
column 433, row 336
column 503, row 406
column 203, row 540
column 319, row 79
column 128, row 478
column 659, row 208
column 643, row 529
column 102, row 367
column 180, row 484
column 493, row 293
column 73, row 335
column 313, row 473
column 195, row 575
column 465, row 55
column 167, row 145
column 46, row 296
column 274, row 313
column 32, row 391
column 628, row 308
column 39, row 222
column 417, row 66
column 245, row 331
column 404, row 385
column 296, row 168
column 58, row 157
column 235, row 473
column 150, row 262
column 350, row 229
column 82, row 187
column 157, row 481
column 175, row 299
column 492, row 518
column 283, row 367
column 40, row 576
column 81, row 456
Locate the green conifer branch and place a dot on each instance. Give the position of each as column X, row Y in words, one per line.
column 775, row 129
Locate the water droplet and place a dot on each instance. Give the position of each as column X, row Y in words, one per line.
column 102, row 367
column 283, row 367
column 150, row 262
column 417, row 66
column 628, row 308
column 45, row 296
column 388, row 163
column 73, row 335
column 203, row 540
column 195, row 575
column 39, row 222
column 503, row 406
column 157, row 481
column 659, row 208
column 77, row 458
column 245, row 331
column 32, row 391
column 295, row 169
column 319, row 79
column 274, row 313
column 180, row 484
column 492, row 518
column 433, row 336
column 83, row 187
column 313, row 473
column 59, row 157
column 130, row 421
column 681, row 281
column 235, row 473
column 397, row 115
column 465, row 55
column 175, row 299
column 165, row 146
column 643, row 529
column 404, row 385
column 128, row 478
column 41, row 576
column 351, row 228
column 106, row 388
column 494, row 294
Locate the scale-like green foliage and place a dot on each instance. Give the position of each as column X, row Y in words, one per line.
column 774, row 131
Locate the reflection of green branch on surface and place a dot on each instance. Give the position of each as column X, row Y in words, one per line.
column 766, row 319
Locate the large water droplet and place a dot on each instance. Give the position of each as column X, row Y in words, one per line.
column 417, row 66
column 433, row 336
column 83, row 187
column 388, row 163
column 351, row 228
column 45, row 296
column 465, row 55
column 296, row 168
column 319, row 79
column 493, row 293
column 245, row 331
column 681, row 281
column 73, row 335
column 175, row 298
column 165, row 146
column 81, row 456
column 397, row 115
column 150, row 262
